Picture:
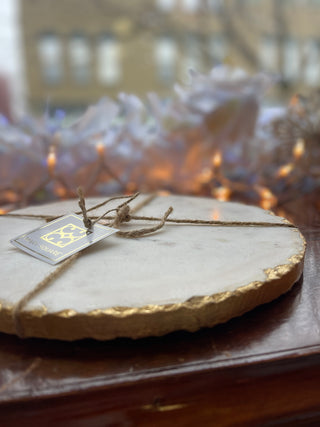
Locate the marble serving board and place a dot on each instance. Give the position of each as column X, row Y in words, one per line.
column 185, row 276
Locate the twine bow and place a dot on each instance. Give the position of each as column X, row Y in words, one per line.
column 123, row 214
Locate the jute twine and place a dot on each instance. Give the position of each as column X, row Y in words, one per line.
column 123, row 213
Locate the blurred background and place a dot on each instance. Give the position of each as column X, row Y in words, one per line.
column 73, row 52
column 151, row 124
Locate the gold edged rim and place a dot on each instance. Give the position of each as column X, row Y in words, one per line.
column 156, row 320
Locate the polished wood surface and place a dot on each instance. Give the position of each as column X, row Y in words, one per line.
column 260, row 369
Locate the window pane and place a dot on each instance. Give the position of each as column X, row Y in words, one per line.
column 218, row 49
column 311, row 60
column 50, row 56
column 291, row 65
column 166, row 56
column 268, row 53
column 166, row 5
column 190, row 6
column 79, row 55
column 192, row 58
column 108, row 66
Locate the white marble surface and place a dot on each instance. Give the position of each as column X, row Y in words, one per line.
column 170, row 266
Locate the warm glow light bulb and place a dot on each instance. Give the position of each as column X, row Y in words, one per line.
column 217, row 159
column 100, row 149
column 299, row 149
column 205, row 176
column 222, row 193
column 268, row 199
column 51, row 161
column 285, row 170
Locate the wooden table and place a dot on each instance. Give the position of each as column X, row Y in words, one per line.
column 260, row 369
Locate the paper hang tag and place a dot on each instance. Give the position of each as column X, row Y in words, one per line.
column 60, row 238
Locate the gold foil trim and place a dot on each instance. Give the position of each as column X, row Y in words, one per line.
column 67, row 313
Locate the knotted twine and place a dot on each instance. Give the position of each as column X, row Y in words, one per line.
column 123, row 213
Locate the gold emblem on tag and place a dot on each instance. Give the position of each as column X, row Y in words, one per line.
column 64, row 236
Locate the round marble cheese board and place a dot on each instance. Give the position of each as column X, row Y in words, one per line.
column 183, row 277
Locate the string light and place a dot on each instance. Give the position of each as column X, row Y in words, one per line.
column 100, row 149
column 285, row 170
column 222, row 193
column 267, row 199
column 217, row 159
column 298, row 149
column 51, row 161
